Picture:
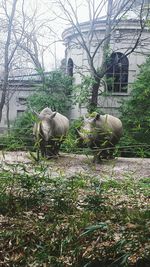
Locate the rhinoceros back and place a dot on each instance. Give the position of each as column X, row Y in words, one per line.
column 61, row 125
column 112, row 124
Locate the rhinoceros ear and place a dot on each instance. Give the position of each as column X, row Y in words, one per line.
column 97, row 117
column 53, row 115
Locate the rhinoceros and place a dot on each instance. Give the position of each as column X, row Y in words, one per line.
column 101, row 133
column 50, row 131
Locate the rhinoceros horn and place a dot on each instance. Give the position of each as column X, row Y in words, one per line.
column 36, row 113
column 80, row 134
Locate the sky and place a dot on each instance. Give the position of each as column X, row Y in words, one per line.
column 52, row 16
column 50, row 10
column 49, row 13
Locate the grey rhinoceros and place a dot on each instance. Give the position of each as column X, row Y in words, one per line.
column 101, row 133
column 49, row 131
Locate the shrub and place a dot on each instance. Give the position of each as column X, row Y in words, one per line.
column 20, row 136
column 72, row 142
column 136, row 116
column 55, row 93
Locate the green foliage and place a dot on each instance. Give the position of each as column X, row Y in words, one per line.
column 82, row 92
column 73, row 221
column 9, row 142
column 55, row 93
column 136, row 115
column 71, row 143
column 20, row 136
column 23, row 128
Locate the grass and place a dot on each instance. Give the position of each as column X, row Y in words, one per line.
column 77, row 221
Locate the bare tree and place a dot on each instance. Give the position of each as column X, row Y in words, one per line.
column 7, row 55
column 116, row 11
column 31, row 44
column 23, row 43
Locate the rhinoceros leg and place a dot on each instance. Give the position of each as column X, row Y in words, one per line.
column 48, row 149
column 99, row 155
column 51, row 149
column 104, row 151
column 55, row 145
column 43, row 148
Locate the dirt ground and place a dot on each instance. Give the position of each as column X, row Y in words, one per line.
column 71, row 164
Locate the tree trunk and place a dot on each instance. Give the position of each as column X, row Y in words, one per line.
column 94, row 97
column 7, row 59
column 98, row 75
column 7, row 117
column 107, row 35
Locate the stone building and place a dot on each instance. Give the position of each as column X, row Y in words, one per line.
column 123, row 69
column 19, row 88
column 124, row 72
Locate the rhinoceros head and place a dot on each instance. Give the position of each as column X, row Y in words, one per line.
column 88, row 129
column 46, row 124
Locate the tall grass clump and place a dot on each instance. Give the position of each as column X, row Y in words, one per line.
column 49, row 219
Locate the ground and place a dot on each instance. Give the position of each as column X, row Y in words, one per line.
column 69, row 212
column 71, row 164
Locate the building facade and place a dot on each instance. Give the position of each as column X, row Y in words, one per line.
column 18, row 90
column 123, row 69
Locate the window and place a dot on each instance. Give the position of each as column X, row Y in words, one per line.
column 117, row 73
column 19, row 112
column 70, row 67
column 22, row 100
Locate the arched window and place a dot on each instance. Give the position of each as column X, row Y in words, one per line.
column 117, row 73
column 70, row 67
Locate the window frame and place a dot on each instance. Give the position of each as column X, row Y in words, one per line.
column 118, row 71
column 70, row 66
